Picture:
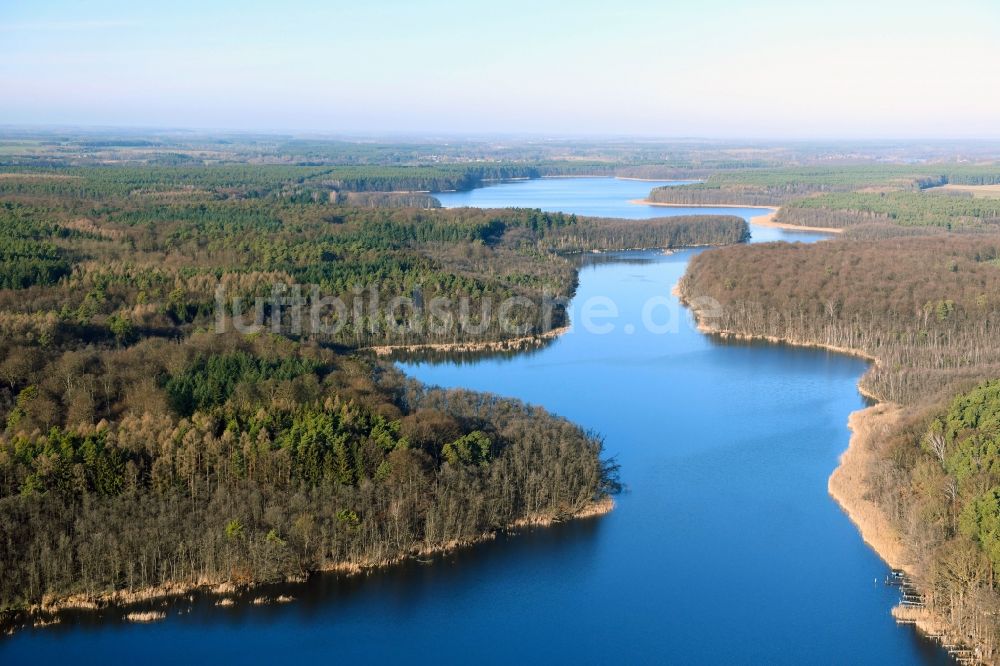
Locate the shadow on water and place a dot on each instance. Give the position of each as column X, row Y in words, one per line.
column 623, row 257
column 461, row 358
column 404, row 586
column 789, row 350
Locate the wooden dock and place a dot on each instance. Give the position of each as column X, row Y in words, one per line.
column 910, row 597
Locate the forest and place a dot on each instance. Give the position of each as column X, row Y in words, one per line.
column 778, row 187
column 156, row 265
column 905, row 208
column 244, row 460
column 927, row 308
column 249, row 181
column 147, row 444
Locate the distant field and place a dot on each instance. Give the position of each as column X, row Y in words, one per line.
column 984, row 191
column 37, row 176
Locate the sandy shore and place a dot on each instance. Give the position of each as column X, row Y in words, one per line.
column 763, row 220
column 768, row 220
column 513, row 344
column 849, row 483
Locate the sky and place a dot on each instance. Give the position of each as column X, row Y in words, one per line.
column 702, row 68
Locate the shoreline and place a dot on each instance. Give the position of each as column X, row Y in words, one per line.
column 764, row 219
column 848, row 486
column 659, row 180
column 768, row 220
column 49, row 611
column 512, row 344
column 848, row 483
column 727, row 334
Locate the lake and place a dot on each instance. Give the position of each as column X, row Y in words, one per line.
column 725, row 547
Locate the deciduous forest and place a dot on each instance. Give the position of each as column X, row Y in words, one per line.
column 927, row 308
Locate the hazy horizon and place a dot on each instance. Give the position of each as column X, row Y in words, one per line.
column 716, row 71
column 388, row 136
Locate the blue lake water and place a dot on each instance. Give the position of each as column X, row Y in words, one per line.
column 726, row 547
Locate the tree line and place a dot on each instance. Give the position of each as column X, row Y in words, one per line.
column 905, row 208
column 779, row 186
